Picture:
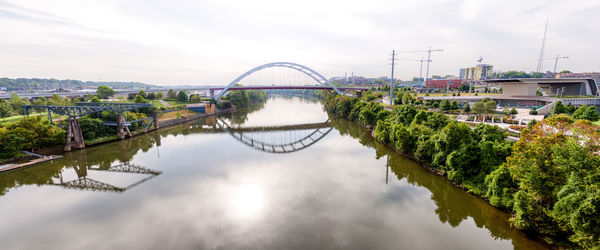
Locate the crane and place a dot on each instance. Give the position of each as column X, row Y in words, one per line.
column 556, row 61
column 428, row 57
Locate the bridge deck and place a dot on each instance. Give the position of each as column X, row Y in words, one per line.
column 315, row 87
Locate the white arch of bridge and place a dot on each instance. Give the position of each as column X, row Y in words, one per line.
column 306, row 70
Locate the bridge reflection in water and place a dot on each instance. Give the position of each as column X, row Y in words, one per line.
column 272, row 139
column 83, row 182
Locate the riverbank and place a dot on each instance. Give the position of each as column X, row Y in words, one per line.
column 99, row 141
column 538, row 179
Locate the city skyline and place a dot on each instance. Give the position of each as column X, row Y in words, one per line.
column 211, row 42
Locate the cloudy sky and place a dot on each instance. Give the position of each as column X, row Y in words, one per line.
column 213, row 41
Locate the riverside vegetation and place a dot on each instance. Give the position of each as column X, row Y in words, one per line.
column 549, row 179
column 33, row 133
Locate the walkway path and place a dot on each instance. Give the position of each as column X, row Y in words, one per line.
column 166, row 104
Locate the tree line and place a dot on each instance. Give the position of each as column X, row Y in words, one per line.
column 44, row 84
column 548, row 179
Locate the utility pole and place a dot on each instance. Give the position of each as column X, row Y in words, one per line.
column 541, row 59
column 392, row 80
column 429, row 60
column 421, row 71
column 556, row 61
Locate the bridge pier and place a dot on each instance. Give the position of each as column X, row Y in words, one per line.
column 74, row 136
column 122, row 131
column 155, row 119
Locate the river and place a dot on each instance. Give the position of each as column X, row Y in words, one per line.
column 279, row 175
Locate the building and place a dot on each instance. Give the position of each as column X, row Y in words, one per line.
column 443, row 83
column 552, row 86
column 479, row 72
column 522, row 92
column 592, row 75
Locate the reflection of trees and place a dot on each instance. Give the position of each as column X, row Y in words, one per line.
column 453, row 204
column 102, row 157
column 240, row 115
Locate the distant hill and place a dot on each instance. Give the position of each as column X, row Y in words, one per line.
column 46, row 84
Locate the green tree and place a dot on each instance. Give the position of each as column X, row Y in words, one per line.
column 16, row 103
column 195, row 98
column 56, row 100
column 5, row 109
column 479, row 108
column 171, row 94
column 182, row 96
column 142, row 93
column 159, row 95
column 455, row 105
column 513, row 111
column 490, row 106
column 467, row 108
column 104, row 92
column 586, row 113
column 445, row 105
column 151, row 96
column 560, row 108
column 403, row 114
column 140, row 99
column 95, row 99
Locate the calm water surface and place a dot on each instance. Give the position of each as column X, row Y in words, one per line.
column 283, row 175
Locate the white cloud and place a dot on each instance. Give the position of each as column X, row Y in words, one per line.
column 211, row 42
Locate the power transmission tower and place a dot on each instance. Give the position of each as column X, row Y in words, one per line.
column 541, row 59
column 556, row 61
column 392, row 80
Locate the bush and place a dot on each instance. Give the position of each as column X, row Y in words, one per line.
column 28, row 133
column 533, row 112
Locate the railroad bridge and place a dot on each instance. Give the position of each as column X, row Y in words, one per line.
column 74, row 139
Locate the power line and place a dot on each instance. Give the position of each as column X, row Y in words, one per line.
column 392, row 80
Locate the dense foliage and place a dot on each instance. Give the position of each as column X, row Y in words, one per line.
column 245, row 97
column 556, row 167
column 550, row 178
column 28, row 134
column 104, row 92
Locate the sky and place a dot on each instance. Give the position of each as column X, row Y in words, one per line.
column 212, row 42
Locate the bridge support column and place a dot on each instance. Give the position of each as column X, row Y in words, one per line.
column 74, row 138
column 122, row 130
column 155, row 119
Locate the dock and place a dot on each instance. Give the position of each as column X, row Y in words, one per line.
column 9, row 167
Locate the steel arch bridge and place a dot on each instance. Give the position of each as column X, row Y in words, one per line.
column 298, row 67
column 294, row 145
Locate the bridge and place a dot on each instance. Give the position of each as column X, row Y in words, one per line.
column 322, row 84
column 74, row 135
column 278, row 139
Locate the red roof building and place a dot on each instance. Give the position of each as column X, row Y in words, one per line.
column 443, row 83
